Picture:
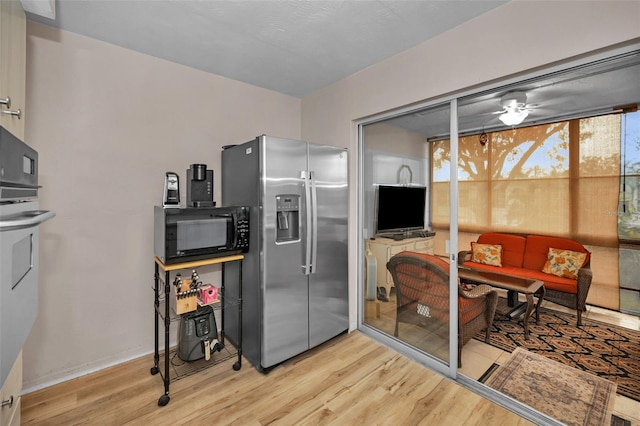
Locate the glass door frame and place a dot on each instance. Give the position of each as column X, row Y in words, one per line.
column 449, row 368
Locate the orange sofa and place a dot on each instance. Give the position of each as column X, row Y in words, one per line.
column 528, row 255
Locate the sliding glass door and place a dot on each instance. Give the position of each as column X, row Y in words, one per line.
column 628, row 214
column 556, row 154
column 396, row 217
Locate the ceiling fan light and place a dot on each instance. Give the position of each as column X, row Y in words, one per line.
column 513, row 118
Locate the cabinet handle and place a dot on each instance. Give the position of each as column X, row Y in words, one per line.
column 17, row 113
column 8, row 402
column 6, row 101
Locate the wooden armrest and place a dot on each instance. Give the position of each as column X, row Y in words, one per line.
column 463, row 256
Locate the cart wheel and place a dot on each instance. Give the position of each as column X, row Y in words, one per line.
column 236, row 366
column 154, row 371
column 164, row 400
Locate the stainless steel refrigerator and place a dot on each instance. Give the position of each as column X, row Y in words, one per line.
column 294, row 277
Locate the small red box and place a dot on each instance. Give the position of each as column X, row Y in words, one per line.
column 208, row 294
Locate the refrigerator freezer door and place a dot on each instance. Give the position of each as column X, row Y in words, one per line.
column 240, row 173
column 284, row 286
column 328, row 282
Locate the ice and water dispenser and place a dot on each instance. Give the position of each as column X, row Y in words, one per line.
column 287, row 216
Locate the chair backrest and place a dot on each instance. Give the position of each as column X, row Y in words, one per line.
column 420, row 278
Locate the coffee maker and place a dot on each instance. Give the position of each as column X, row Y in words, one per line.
column 199, row 186
column 171, row 190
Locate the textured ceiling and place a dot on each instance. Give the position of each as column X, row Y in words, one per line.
column 299, row 47
column 291, row 47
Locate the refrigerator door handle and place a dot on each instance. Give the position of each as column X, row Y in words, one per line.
column 314, row 222
column 306, row 262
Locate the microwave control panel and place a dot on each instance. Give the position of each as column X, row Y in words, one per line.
column 242, row 229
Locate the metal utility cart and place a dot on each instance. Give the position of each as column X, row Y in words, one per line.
column 166, row 315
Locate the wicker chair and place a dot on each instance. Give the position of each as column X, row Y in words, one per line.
column 422, row 293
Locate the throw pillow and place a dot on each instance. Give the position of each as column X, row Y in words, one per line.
column 489, row 254
column 564, row 263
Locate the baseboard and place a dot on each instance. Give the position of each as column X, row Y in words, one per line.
column 74, row 373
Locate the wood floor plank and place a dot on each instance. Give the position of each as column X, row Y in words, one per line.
column 350, row 380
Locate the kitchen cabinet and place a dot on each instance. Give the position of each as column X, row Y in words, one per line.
column 13, row 39
column 384, row 248
column 10, row 394
column 13, row 56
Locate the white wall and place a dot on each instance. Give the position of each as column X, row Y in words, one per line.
column 108, row 122
column 517, row 37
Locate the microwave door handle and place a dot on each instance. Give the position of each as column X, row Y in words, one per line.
column 234, row 227
column 306, row 266
column 314, row 223
column 28, row 219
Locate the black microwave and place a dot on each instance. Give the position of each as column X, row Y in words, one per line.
column 194, row 233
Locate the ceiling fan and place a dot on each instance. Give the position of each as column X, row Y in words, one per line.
column 514, row 108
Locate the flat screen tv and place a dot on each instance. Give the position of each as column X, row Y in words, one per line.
column 400, row 208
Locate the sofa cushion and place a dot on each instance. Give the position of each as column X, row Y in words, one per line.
column 508, row 270
column 564, row 263
column 513, row 247
column 537, row 249
column 552, row 282
column 488, row 254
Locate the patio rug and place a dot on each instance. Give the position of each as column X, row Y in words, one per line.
column 608, row 351
column 567, row 394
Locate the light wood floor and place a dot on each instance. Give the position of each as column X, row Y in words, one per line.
column 348, row 381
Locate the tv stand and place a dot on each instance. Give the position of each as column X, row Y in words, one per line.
column 385, row 247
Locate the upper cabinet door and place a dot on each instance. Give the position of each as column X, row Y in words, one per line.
column 13, row 49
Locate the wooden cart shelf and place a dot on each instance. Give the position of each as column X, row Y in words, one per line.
column 174, row 368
